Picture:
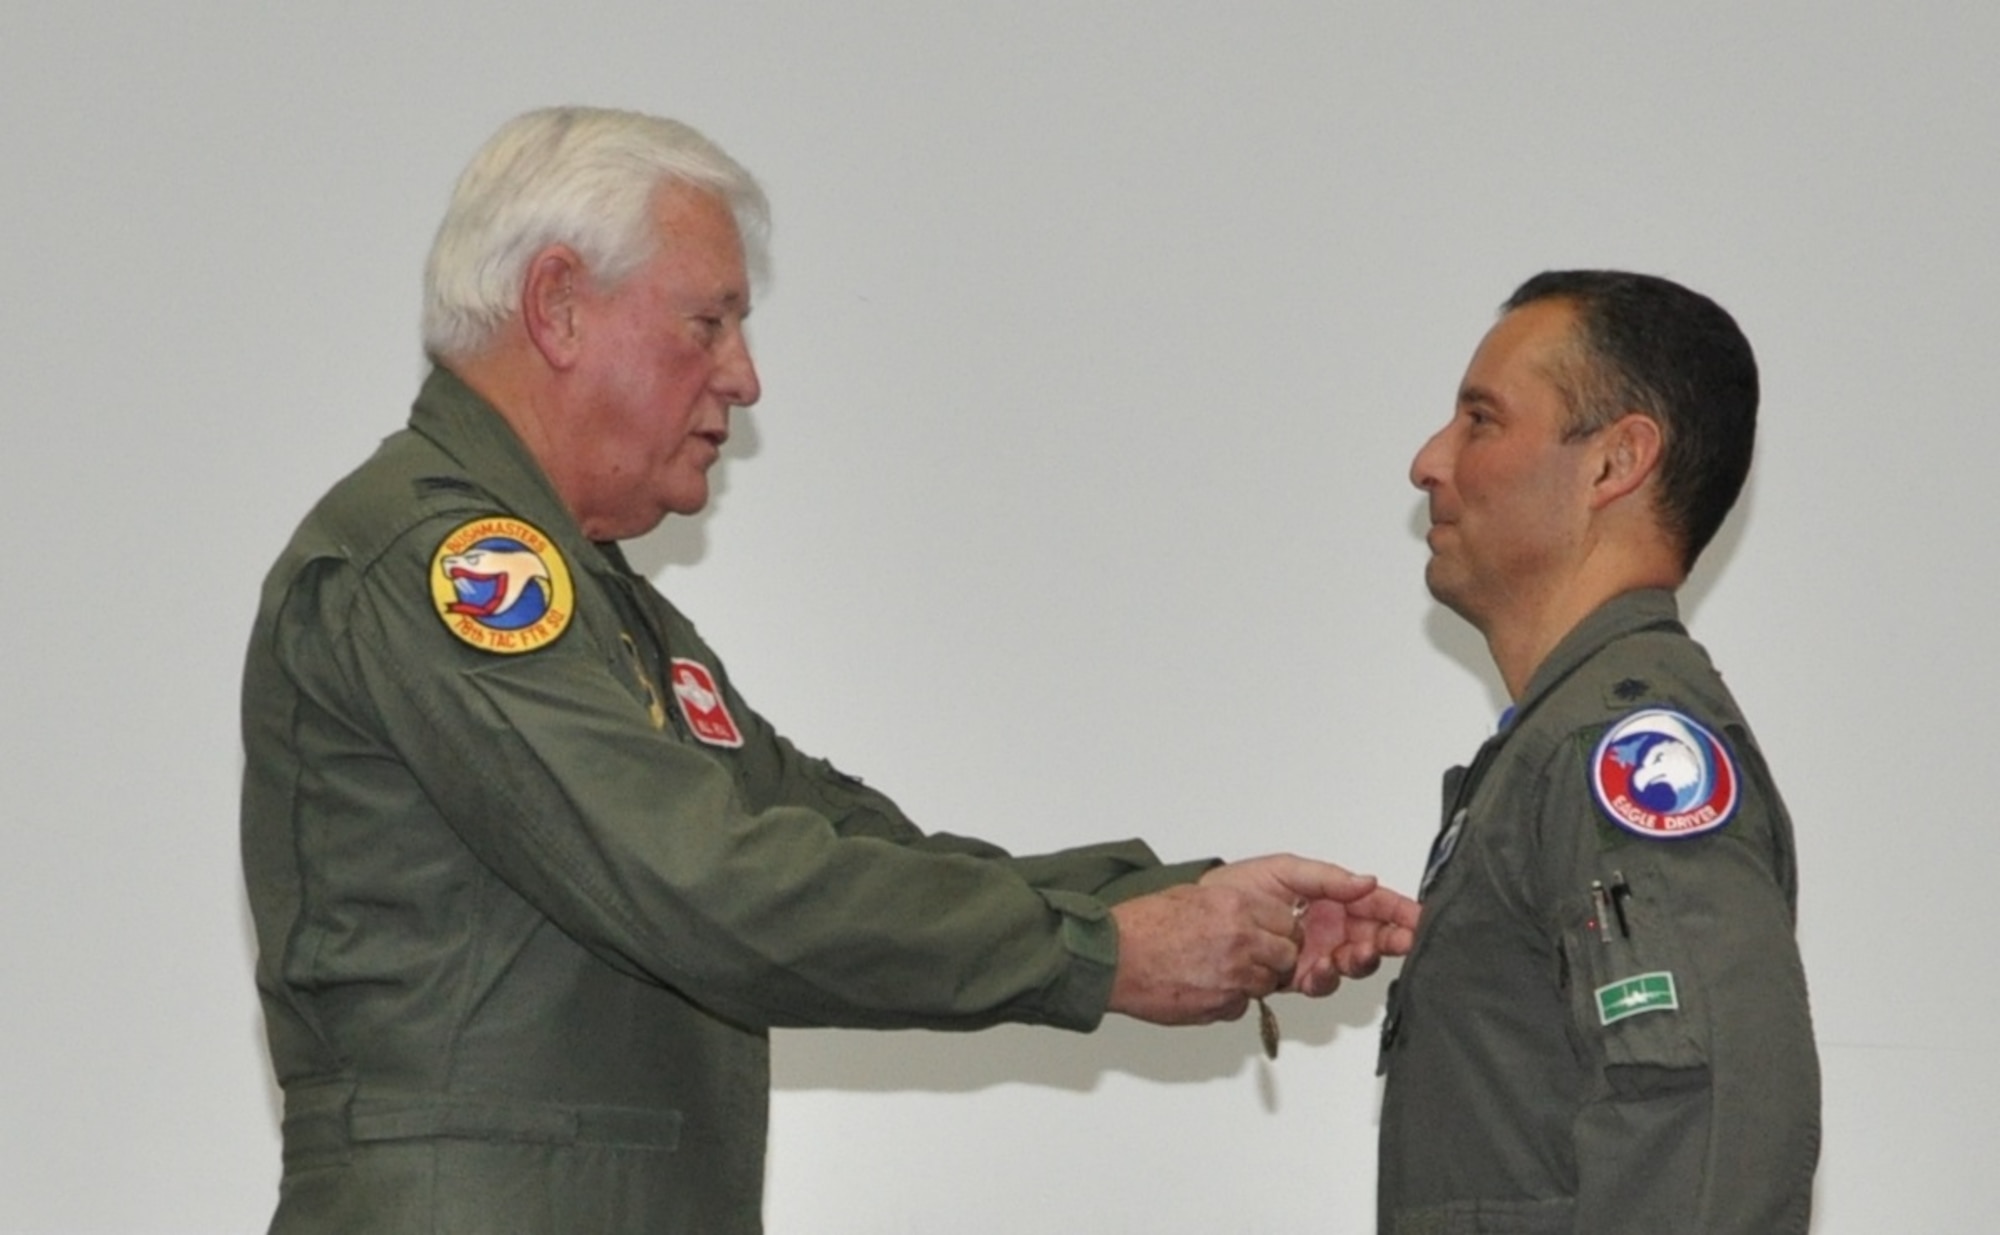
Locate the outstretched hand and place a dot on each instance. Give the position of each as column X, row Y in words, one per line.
column 1348, row 922
column 1200, row 953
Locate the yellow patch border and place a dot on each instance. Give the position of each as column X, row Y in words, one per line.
column 467, row 627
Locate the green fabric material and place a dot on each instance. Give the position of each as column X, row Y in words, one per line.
column 520, row 946
column 1510, row 1105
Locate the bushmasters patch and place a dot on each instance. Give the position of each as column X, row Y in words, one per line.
column 1658, row 773
column 502, row 586
column 1646, row 992
column 701, row 703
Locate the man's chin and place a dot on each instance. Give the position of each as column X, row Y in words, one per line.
column 690, row 497
column 1443, row 587
column 642, row 524
column 1434, row 579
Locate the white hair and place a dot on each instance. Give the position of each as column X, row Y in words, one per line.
column 579, row 176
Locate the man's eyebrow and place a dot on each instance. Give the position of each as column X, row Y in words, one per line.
column 1476, row 394
column 733, row 301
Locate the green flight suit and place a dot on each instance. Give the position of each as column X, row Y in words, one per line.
column 525, row 919
column 1603, row 1030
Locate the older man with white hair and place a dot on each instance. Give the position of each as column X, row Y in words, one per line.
column 532, row 881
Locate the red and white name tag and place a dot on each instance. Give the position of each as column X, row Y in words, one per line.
column 701, row 703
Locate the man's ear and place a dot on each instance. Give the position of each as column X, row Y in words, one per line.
column 1629, row 451
column 550, row 310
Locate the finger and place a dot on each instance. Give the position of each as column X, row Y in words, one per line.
column 1277, row 959
column 1319, row 979
column 1395, row 940
column 1274, row 911
column 1258, row 962
column 1311, row 880
column 1358, row 959
column 1323, row 926
column 1286, row 979
column 1388, row 906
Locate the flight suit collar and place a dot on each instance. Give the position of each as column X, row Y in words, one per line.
column 459, row 421
column 1614, row 619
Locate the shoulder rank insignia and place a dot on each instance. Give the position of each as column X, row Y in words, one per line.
column 1630, row 690
column 502, row 586
column 1660, row 774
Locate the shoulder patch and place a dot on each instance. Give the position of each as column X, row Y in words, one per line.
column 501, row 585
column 1661, row 774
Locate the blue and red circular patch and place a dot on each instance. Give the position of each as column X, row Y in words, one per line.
column 1659, row 773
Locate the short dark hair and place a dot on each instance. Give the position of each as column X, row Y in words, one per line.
column 1651, row 346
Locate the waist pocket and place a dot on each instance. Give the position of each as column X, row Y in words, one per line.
column 550, row 1123
column 319, row 1127
column 1549, row 1217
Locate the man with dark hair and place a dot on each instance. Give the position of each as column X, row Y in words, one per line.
column 1643, row 342
column 1603, row 1026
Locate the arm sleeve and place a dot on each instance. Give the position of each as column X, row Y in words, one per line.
column 644, row 850
column 1700, row 1114
column 1111, row 871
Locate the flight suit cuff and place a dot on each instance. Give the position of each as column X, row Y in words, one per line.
column 1080, row 997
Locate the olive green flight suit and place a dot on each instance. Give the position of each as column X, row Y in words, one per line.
column 1543, row 1076
column 523, row 930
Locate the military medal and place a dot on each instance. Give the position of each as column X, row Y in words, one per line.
column 1267, row 1029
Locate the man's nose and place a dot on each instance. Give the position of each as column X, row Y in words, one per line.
column 1427, row 469
column 736, row 377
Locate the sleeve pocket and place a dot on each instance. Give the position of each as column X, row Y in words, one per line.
column 1636, row 1007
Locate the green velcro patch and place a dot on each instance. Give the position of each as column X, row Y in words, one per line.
column 1646, row 992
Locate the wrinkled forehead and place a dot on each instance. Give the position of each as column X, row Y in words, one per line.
column 688, row 217
column 696, row 248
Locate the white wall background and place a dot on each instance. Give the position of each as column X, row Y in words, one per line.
column 1100, row 340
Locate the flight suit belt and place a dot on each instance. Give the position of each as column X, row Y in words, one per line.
column 323, row 1118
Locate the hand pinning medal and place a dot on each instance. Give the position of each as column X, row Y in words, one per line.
column 1267, row 1020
